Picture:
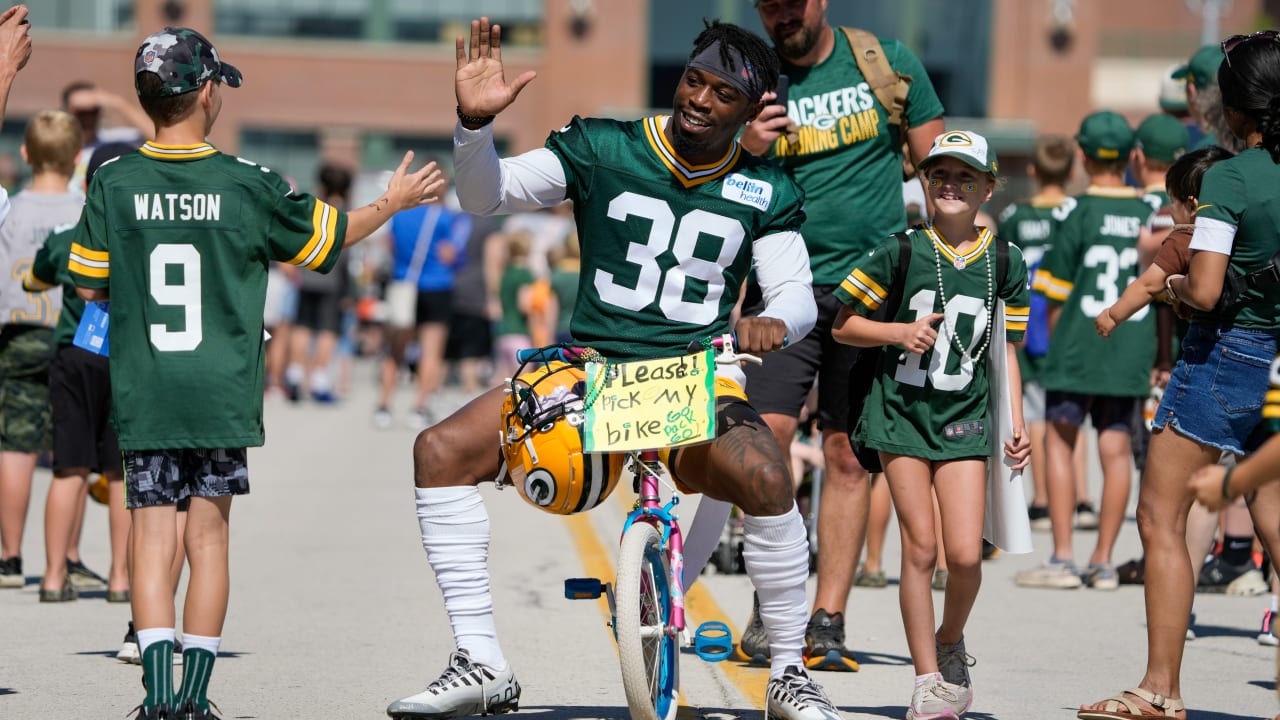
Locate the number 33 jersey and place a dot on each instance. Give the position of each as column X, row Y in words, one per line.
column 933, row 405
column 665, row 245
column 181, row 238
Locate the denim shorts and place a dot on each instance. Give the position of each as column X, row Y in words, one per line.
column 1216, row 390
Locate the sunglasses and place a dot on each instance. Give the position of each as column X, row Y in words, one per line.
column 1234, row 41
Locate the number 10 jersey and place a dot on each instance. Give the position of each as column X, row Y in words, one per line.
column 181, row 238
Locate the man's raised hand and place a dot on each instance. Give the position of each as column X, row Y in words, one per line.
column 478, row 82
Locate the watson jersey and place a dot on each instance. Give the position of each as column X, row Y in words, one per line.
column 49, row 273
column 665, row 245
column 1093, row 259
column 934, row 405
column 1240, row 191
column 847, row 158
column 33, row 217
column 181, row 237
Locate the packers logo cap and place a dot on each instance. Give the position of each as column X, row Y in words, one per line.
column 1202, row 68
column 184, row 59
column 1105, row 135
column 1162, row 137
column 969, row 147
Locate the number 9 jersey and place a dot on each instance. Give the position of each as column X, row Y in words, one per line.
column 181, row 238
column 665, row 245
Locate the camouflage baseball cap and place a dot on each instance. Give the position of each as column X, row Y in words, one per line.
column 184, row 59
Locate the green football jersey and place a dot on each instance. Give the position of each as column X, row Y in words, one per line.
column 1029, row 226
column 1240, row 191
column 934, row 405
column 665, row 245
column 181, row 237
column 49, row 270
column 1093, row 259
column 847, row 158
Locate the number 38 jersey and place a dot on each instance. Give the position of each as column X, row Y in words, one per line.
column 665, row 245
column 1093, row 259
column 933, row 405
column 181, row 238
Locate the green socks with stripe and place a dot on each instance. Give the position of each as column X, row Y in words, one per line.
column 157, row 673
column 197, row 668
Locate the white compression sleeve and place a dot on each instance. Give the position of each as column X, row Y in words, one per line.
column 489, row 185
column 776, row 553
column 455, row 534
column 782, row 269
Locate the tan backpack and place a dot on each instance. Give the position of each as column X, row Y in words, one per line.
column 889, row 85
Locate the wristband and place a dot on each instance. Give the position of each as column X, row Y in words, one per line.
column 477, row 121
column 1226, row 483
column 1168, row 287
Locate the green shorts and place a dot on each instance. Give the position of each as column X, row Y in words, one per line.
column 25, row 355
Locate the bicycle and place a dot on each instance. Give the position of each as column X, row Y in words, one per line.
column 646, row 599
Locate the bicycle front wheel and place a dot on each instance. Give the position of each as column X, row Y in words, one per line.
column 648, row 652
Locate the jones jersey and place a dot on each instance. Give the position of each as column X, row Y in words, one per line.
column 181, row 237
column 847, row 158
column 33, row 217
column 49, row 272
column 665, row 245
column 933, row 405
column 1093, row 259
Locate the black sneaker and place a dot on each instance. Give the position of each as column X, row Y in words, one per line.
column 1220, row 577
column 129, row 651
column 11, row 573
column 754, row 645
column 82, row 578
column 156, row 712
column 824, row 643
column 191, row 711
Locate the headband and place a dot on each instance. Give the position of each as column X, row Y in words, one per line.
column 739, row 73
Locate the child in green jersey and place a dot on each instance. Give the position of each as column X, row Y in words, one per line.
column 926, row 413
column 178, row 237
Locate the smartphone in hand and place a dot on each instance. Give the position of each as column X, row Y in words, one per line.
column 784, row 84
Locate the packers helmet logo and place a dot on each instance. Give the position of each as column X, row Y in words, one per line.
column 956, row 139
column 540, row 487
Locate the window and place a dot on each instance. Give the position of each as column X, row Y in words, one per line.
column 439, row 21
column 293, row 154
column 102, row 16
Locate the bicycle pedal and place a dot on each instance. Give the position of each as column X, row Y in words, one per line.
column 583, row 588
column 713, row 641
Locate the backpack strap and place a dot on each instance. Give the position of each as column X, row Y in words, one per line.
column 894, row 301
column 890, row 86
column 1002, row 261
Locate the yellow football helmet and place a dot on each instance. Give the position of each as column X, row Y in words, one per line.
column 542, row 442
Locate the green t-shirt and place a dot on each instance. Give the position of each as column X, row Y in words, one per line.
column 924, row 405
column 1242, row 191
column 181, row 237
column 1029, row 225
column 49, row 270
column 847, row 158
column 665, row 245
column 1093, row 259
column 514, row 278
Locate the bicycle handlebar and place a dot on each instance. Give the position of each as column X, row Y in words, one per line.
column 724, row 344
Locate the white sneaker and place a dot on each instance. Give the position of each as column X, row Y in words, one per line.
column 464, row 688
column 937, row 699
column 1061, row 575
column 794, row 695
column 382, row 419
column 129, row 651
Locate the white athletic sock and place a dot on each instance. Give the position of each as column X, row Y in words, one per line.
column 201, row 642
column 1275, row 603
column 455, row 534
column 154, row 635
column 320, row 381
column 294, row 374
column 776, row 553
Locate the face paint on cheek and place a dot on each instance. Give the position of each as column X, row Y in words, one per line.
column 935, row 183
column 970, row 187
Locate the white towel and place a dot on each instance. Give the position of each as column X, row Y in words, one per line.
column 1006, row 524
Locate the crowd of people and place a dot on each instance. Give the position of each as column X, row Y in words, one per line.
column 1137, row 290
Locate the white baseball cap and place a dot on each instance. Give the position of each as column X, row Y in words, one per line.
column 964, row 145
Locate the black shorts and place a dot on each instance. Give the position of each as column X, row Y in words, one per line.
column 434, row 306
column 167, row 477
column 783, row 382
column 1104, row 411
column 470, row 336
column 80, row 393
column 320, row 310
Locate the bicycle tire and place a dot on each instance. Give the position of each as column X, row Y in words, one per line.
column 648, row 654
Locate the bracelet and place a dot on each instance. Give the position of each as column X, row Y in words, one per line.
column 477, row 121
column 1226, row 483
column 1168, row 287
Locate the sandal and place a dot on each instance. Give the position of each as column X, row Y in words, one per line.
column 1121, row 708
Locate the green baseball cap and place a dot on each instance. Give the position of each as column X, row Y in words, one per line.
column 1162, row 137
column 969, row 147
column 1105, row 135
column 184, row 59
column 1202, row 68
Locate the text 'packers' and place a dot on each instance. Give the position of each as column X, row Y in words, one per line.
column 178, row 206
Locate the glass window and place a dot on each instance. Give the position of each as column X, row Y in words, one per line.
column 294, row 154
column 103, row 16
column 439, row 21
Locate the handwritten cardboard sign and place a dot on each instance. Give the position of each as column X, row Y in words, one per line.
column 651, row 404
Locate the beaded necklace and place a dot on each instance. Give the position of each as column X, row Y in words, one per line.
column 959, row 263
